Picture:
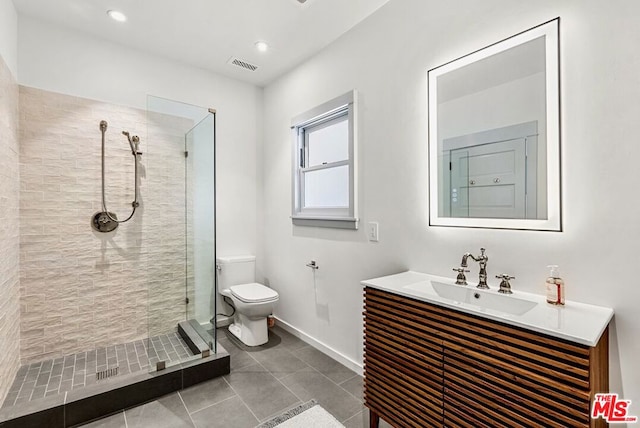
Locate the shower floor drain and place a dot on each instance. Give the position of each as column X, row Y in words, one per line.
column 104, row 374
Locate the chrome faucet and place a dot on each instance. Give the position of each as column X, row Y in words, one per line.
column 482, row 260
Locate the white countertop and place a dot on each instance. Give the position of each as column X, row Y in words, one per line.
column 578, row 322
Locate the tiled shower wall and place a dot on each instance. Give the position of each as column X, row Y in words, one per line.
column 81, row 289
column 9, row 230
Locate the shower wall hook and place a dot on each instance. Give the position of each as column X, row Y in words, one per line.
column 313, row 265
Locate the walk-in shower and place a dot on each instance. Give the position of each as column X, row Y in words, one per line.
column 101, row 308
column 106, row 221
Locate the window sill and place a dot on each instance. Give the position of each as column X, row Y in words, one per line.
column 331, row 222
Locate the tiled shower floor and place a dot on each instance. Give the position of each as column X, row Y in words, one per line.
column 63, row 374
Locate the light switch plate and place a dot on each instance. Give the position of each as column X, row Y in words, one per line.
column 372, row 231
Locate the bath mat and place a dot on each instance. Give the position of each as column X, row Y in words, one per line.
column 307, row 415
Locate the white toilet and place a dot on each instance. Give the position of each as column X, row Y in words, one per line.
column 253, row 301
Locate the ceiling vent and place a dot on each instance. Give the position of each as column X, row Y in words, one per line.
column 242, row 64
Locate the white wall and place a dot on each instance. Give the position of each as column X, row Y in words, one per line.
column 9, row 35
column 63, row 61
column 386, row 59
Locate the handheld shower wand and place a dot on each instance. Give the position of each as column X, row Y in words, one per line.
column 133, row 143
column 106, row 221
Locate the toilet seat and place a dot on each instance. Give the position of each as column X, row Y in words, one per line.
column 253, row 293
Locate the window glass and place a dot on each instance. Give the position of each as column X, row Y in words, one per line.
column 328, row 142
column 327, row 188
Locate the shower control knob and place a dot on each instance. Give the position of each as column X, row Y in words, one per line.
column 104, row 222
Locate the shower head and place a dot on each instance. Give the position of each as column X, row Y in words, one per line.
column 131, row 143
column 103, row 125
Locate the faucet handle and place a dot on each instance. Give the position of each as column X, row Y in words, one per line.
column 461, row 279
column 505, row 287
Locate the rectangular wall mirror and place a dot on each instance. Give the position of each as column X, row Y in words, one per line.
column 494, row 135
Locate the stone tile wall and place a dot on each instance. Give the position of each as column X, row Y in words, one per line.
column 9, row 231
column 82, row 289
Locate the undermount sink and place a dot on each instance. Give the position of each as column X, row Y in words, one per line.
column 480, row 299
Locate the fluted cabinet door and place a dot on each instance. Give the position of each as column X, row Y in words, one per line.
column 403, row 365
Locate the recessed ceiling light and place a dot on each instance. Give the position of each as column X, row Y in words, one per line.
column 262, row 46
column 118, row 16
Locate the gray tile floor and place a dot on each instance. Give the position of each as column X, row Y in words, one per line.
column 37, row 380
column 264, row 382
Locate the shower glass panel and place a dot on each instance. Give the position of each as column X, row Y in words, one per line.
column 200, row 211
column 180, row 210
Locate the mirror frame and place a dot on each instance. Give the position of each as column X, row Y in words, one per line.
column 553, row 222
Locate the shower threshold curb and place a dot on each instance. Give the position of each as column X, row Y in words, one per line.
column 93, row 402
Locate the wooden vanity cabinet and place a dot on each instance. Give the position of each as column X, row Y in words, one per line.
column 429, row 366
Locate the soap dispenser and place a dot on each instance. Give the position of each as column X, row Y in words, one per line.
column 555, row 286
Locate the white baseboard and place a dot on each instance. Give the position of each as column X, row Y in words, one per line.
column 325, row 349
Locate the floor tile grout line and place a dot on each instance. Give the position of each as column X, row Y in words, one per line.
column 286, row 387
column 48, row 380
column 186, row 409
column 300, row 400
column 248, row 364
column 241, row 400
column 175, row 350
column 336, row 383
column 351, row 417
column 212, row 404
column 327, row 377
column 36, row 381
column 349, row 392
column 285, row 410
column 20, row 390
column 347, row 380
column 312, row 367
column 318, row 371
column 75, row 358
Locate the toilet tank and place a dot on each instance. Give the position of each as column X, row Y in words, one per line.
column 235, row 270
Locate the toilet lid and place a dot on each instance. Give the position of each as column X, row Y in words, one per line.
column 253, row 293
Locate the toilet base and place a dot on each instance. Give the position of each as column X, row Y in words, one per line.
column 250, row 332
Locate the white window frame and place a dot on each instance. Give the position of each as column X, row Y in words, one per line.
column 333, row 110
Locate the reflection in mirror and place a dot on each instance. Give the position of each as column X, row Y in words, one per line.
column 494, row 135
